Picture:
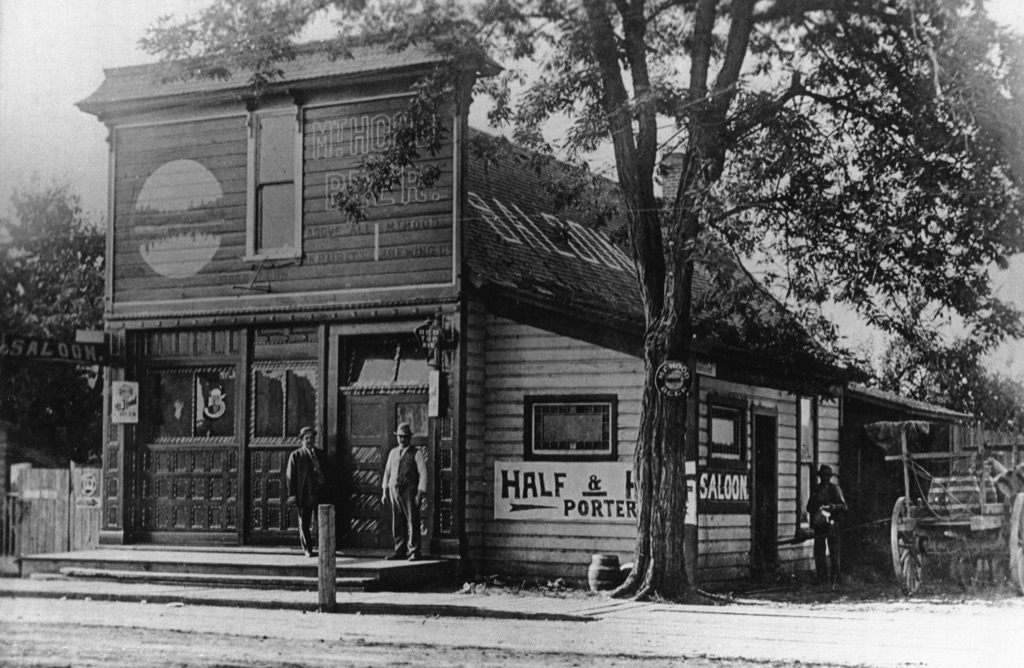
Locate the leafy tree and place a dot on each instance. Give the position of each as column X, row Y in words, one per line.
column 956, row 378
column 864, row 149
column 51, row 283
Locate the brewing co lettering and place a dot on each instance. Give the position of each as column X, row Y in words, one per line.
column 564, row 491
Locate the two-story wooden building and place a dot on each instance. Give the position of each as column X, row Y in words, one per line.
column 244, row 305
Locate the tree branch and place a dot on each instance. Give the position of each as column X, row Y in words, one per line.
column 762, row 113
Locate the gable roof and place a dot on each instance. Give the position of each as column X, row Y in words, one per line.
column 521, row 245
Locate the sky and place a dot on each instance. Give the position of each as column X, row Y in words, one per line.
column 52, row 55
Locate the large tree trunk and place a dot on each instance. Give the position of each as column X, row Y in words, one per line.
column 665, row 277
column 659, row 464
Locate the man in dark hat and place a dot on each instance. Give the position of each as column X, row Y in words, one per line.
column 405, row 486
column 825, row 506
column 305, row 480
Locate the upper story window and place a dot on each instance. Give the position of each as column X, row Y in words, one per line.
column 274, row 212
column 570, row 427
column 726, row 431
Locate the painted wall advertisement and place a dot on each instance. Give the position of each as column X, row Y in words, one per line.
column 124, row 405
column 564, row 491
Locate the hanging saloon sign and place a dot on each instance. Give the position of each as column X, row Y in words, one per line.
column 52, row 350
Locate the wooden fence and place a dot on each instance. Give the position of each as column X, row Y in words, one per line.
column 52, row 510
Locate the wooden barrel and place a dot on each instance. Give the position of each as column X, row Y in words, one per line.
column 603, row 573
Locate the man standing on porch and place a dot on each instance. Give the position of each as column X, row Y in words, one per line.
column 305, row 478
column 405, row 485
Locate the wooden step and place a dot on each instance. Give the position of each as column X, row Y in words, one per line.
column 268, row 567
column 219, row 580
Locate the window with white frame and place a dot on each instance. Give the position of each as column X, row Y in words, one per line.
column 274, row 218
column 726, row 425
column 570, row 427
column 806, row 455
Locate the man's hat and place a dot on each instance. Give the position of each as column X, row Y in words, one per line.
column 404, row 429
column 307, row 430
column 825, row 469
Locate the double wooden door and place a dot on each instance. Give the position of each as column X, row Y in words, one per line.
column 367, row 434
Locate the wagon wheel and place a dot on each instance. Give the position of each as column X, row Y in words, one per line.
column 906, row 558
column 1017, row 542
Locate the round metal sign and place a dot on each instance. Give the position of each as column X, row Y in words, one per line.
column 672, row 379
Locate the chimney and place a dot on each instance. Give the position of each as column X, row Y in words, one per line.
column 671, row 168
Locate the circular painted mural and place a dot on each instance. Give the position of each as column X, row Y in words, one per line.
column 176, row 220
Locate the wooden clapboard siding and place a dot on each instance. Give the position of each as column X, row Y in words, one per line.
column 406, row 239
column 219, row 145
column 522, row 360
column 725, row 539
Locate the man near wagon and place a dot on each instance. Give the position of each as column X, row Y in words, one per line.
column 825, row 506
column 405, row 486
column 305, row 481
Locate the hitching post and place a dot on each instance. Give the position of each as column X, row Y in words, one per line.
column 326, row 558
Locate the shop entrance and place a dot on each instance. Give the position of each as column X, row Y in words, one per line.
column 765, row 520
column 369, row 434
column 384, row 383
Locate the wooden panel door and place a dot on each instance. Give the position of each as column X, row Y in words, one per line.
column 766, row 495
column 367, row 434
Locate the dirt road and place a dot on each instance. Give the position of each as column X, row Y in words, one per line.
column 41, row 632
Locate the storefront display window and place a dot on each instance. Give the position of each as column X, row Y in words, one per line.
column 284, row 399
column 570, row 427
column 193, row 403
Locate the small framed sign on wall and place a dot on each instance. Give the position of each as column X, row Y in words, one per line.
column 124, row 404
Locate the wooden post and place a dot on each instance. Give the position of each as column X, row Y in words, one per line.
column 906, row 463
column 328, row 567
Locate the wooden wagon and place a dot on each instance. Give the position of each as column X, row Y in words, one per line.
column 965, row 509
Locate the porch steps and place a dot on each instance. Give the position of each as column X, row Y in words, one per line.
column 266, row 568
column 283, row 582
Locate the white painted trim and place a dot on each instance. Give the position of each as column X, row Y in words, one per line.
column 277, row 296
column 252, row 179
column 456, row 201
column 108, row 264
column 297, row 170
column 186, row 119
column 355, row 100
column 250, row 185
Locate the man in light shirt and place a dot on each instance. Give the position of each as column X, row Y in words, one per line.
column 404, row 487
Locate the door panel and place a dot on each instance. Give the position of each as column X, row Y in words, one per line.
column 765, row 524
column 367, row 435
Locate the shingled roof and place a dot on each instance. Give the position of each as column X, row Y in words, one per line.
column 521, row 245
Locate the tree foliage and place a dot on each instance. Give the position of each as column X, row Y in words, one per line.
column 865, row 152
column 51, row 284
column 955, row 377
